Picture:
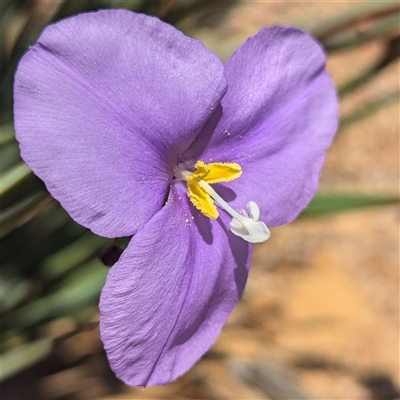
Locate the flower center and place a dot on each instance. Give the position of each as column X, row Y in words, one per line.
column 202, row 195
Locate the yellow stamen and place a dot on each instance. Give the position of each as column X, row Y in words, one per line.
column 202, row 170
column 202, row 195
column 202, row 201
column 209, row 173
column 223, row 172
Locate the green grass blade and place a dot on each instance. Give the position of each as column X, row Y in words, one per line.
column 80, row 289
column 21, row 358
column 70, row 256
column 332, row 203
column 13, row 177
column 365, row 12
column 18, row 214
column 7, row 134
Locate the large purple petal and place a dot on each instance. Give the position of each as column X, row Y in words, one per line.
column 164, row 303
column 105, row 103
column 279, row 116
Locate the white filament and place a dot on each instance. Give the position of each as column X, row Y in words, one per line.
column 246, row 226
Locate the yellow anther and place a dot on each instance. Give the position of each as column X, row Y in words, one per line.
column 222, row 172
column 202, row 170
column 209, row 173
column 202, row 201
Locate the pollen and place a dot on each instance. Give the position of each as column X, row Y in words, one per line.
column 209, row 173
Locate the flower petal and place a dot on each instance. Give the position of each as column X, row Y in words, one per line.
column 279, row 116
column 164, row 303
column 105, row 103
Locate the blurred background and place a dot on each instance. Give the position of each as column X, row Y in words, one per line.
column 319, row 318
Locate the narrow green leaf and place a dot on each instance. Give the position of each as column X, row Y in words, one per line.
column 354, row 36
column 9, row 157
column 128, row 4
column 13, row 177
column 15, row 361
column 13, row 291
column 47, row 232
column 80, row 289
column 26, row 355
column 71, row 256
column 323, row 204
column 6, row 133
column 18, row 214
column 365, row 12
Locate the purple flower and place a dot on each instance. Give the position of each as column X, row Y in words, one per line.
column 139, row 130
